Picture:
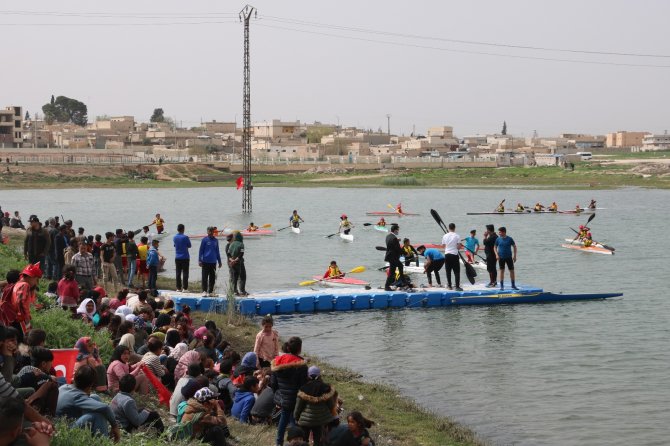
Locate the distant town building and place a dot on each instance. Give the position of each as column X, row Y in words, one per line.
column 11, row 127
column 625, row 139
column 276, row 129
column 219, row 127
column 656, row 142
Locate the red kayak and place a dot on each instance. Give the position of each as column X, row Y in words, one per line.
column 429, row 245
column 341, row 282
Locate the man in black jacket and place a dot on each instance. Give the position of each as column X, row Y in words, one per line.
column 393, row 253
column 37, row 243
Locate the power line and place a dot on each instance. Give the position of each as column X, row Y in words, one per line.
column 123, row 23
column 453, row 50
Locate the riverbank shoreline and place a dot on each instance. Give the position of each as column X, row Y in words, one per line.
column 612, row 174
column 399, row 420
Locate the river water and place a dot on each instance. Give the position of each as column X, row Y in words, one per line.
column 579, row 373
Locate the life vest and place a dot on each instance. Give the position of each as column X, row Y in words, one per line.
column 295, row 217
column 252, row 228
column 142, row 252
column 553, row 207
column 159, row 222
column 500, row 209
column 381, row 222
column 408, row 251
column 520, row 208
column 333, row 271
column 345, row 223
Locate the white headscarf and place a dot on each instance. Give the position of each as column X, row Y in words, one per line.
column 82, row 307
column 178, row 351
column 123, row 311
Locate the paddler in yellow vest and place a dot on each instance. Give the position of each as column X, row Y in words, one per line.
column 578, row 209
column 538, row 207
column 583, row 232
column 295, row 219
column 159, row 222
column 520, row 208
column 345, row 224
column 252, row 227
column 398, row 208
column 381, row 222
column 215, row 230
column 588, row 240
column 501, row 207
column 333, row 271
column 553, row 207
column 409, row 253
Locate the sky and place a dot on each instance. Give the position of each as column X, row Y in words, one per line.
column 538, row 65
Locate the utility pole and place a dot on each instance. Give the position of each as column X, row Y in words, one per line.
column 245, row 15
column 388, row 124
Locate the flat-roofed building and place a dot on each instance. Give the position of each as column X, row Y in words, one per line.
column 656, row 142
column 11, row 127
column 625, row 139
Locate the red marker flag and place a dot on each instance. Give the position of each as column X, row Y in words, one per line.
column 239, row 182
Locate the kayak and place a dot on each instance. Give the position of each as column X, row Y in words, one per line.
column 581, row 243
column 341, row 282
column 413, row 269
column 347, row 237
column 575, row 211
column 527, row 211
column 593, row 249
column 384, row 213
column 160, row 236
column 381, row 228
column 295, row 230
column 223, row 234
column 429, row 245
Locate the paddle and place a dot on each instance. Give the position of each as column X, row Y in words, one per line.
column 330, row 235
column 495, row 210
column 388, row 223
column 394, row 208
column 474, row 253
column 594, row 241
column 281, row 229
column 469, row 269
column 358, row 269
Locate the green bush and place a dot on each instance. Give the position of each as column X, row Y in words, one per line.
column 63, row 331
column 401, row 181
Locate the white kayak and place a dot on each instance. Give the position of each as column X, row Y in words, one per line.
column 295, row 230
column 160, row 236
column 581, row 243
column 413, row 269
column 347, row 237
column 381, row 228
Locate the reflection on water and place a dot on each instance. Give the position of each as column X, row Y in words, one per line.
column 578, row 373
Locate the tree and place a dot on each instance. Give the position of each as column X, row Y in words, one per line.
column 158, row 116
column 504, row 129
column 27, row 118
column 64, row 109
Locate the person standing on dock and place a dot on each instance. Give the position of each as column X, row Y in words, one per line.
column 452, row 243
column 393, row 253
column 503, row 248
column 238, row 272
column 490, row 237
column 181, row 257
column 434, row 263
column 208, row 256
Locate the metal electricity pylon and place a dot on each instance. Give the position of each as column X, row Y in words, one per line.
column 245, row 15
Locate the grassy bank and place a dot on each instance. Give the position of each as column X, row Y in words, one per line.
column 399, row 420
column 607, row 171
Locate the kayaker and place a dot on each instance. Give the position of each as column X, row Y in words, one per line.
column 588, row 240
column 505, row 250
column 393, row 253
column 583, row 231
column 160, row 224
column 452, row 243
column 578, row 209
column 215, row 231
column 409, row 252
column 295, row 219
column 333, row 271
column 553, row 207
column 471, row 246
column 381, row 222
column 490, row 237
column 592, row 204
column 345, row 224
column 538, row 207
column 434, row 263
column 501, row 207
column 398, row 208
column 520, row 208
column 252, row 227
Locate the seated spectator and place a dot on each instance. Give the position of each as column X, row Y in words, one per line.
column 76, row 403
column 264, row 407
column 246, row 368
column 245, row 399
column 119, row 367
column 194, row 370
column 209, row 420
column 315, row 405
column 295, row 435
column 208, row 346
column 89, row 355
column 87, row 312
column 186, row 359
column 151, row 359
column 38, row 377
column 12, row 430
column 229, row 361
column 125, row 409
column 358, row 426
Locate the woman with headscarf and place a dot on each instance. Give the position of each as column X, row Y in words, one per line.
column 238, row 273
column 89, row 355
column 186, row 359
column 87, row 312
column 123, row 311
column 119, row 367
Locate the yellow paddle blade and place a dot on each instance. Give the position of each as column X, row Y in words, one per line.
column 308, row 282
column 358, row 269
column 267, row 225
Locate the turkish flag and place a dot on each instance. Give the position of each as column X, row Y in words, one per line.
column 163, row 393
column 239, row 182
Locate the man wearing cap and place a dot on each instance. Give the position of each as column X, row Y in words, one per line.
column 37, row 242
column 490, row 237
column 23, row 295
column 393, row 253
column 85, row 267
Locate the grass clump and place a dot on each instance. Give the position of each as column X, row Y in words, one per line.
column 401, row 181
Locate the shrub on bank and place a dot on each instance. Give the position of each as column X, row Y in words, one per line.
column 401, row 181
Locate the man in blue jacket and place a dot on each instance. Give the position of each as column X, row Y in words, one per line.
column 181, row 257
column 153, row 260
column 208, row 257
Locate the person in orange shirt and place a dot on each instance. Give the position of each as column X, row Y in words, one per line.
column 23, row 296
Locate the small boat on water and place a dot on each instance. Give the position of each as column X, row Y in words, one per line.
column 591, row 249
column 295, row 230
column 578, row 212
column 159, row 236
column 581, row 243
column 381, row 228
column 386, row 213
column 341, row 282
column 524, row 212
column 347, row 237
column 414, row 269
